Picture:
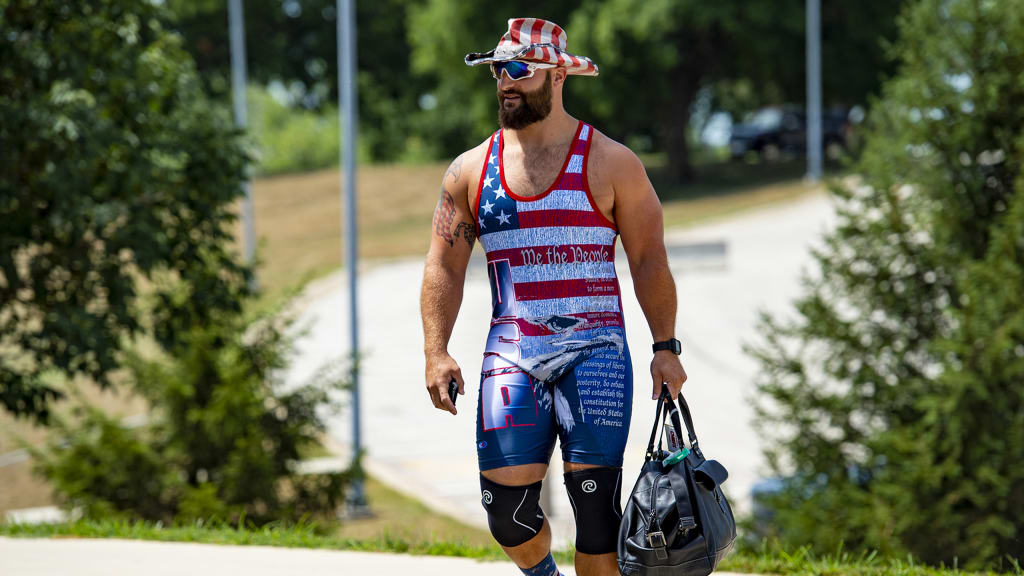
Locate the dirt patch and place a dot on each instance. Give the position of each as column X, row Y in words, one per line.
column 22, row 489
column 298, row 219
column 401, row 517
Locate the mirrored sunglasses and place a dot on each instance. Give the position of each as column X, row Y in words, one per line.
column 515, row 69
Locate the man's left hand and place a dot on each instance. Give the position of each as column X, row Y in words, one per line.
column 667, row 368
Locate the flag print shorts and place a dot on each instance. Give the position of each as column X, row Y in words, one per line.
column 588, row 407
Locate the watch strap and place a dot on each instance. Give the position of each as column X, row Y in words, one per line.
column 670, row 344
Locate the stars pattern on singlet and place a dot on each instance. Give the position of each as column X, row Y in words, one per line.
column 497, row 210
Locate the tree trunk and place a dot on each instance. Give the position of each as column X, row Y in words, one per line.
column 680, row 170
column 677, row 114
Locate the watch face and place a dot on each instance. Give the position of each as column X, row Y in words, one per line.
column 676, row 347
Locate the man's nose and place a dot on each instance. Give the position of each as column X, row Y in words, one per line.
column 504, row 81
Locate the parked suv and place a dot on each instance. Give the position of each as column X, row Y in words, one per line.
column 775, row 129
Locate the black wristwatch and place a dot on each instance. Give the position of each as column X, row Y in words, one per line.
column 670, row 344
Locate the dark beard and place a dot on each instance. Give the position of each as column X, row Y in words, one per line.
column 533, row 107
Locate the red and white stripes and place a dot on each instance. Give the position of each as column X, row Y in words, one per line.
column 544, row 42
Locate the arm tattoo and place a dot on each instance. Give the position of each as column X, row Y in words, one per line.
column 455, row 169
column 468, row 232
column 444, row 216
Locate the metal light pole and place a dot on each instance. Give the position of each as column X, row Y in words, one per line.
column 236, row 24
column 814, row 151
column 347, row 107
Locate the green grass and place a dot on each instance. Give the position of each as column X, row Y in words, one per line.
column 403, row 525
column 309, row 535
column 767, row 560
column 770, row 558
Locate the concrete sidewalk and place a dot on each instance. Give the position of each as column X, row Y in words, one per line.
column 100, row 557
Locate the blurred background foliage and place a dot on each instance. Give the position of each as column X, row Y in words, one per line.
column 291, row 139
column 292, row 49
column 222, row 441
column 893, row 399
column 118, row 197
column 419, row 101
column 117, row 167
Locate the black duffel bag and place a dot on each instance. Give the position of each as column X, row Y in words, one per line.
column 677, row 521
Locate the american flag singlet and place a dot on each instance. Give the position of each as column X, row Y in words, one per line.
column 551, row 265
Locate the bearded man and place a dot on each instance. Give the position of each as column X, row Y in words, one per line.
column 548, row 196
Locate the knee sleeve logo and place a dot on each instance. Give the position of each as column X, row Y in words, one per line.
column 589, row 486
column 488, row 497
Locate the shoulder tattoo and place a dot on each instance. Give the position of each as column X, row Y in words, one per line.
column 454, row 169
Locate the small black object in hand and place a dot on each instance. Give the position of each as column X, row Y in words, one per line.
column 453, row 390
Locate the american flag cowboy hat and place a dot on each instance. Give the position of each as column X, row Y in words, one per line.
column 534, row 40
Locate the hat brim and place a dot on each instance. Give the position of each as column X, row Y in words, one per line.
column 574, row 64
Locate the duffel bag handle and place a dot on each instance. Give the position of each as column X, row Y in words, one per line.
column 667, row 408
column 687, row 418
column 654, row 430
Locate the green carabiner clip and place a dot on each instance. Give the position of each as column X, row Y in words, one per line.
column 675, row 457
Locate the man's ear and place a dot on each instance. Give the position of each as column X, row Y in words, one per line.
column 560, row 74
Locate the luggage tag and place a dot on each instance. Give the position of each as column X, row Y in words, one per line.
column 675, row 446
column 673, row 441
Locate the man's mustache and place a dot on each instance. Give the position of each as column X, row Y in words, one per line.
column 507, row 93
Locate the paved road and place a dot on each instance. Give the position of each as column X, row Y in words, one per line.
column 725, row 272
column 97, row 557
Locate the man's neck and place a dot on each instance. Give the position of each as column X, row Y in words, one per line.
column 545, row 133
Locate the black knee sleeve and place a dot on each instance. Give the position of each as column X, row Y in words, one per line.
column 513, row 512
column 594, row 495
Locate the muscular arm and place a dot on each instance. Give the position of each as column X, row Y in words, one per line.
column 639, row 219
column 444, row 275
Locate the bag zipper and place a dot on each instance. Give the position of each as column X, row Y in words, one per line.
column 654, row 509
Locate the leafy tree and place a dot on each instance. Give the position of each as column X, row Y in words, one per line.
column 466, row 109
column 677, row 50
column 655, row 57
column 977, row 413
column 292, row 139
column 222, row 438
column 672, row 49
column 417, row 99
column 294, row 42
column 116, row 167
column 893, row 398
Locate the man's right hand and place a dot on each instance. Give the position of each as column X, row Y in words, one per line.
column 441, row 368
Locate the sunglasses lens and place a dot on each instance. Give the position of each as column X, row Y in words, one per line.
column 516, row 70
